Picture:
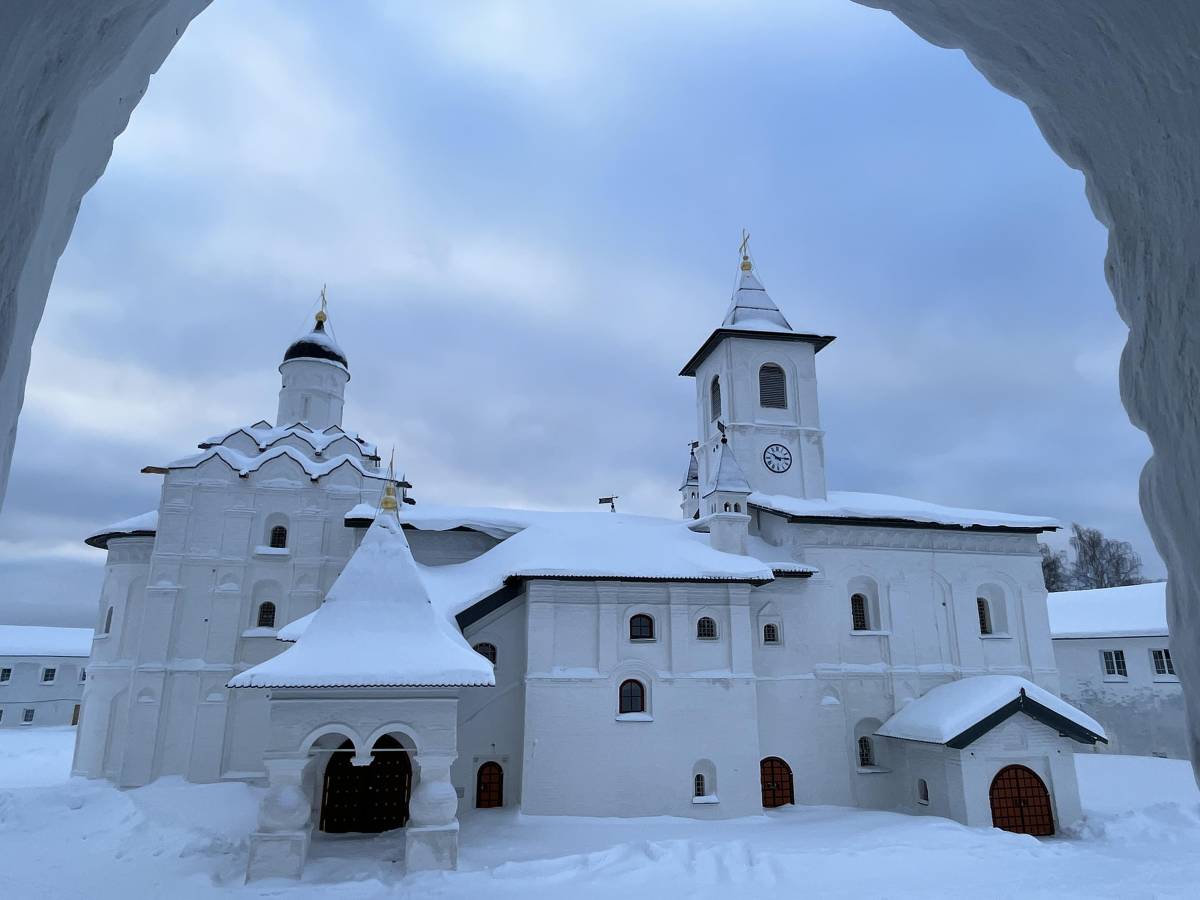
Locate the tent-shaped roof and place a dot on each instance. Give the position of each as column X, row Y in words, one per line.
column 693, row 471
column 728, row 475
column 960, row 712
column 376, row 628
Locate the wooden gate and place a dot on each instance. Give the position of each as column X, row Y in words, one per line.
column 1021, row 803
column 776, row 777
column 366, row 799
column 489, row 786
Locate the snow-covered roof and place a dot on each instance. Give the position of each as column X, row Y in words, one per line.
column 728, row 476
column 954, row 713
column 244, row 465
column 317, row 344
column 44, row 640
column 536, row 544
column 752, row 307
column 855, row 505
column 145, row 524
column 264, row 435
column 693, row 471
column 378, row 627
column 1139, row 610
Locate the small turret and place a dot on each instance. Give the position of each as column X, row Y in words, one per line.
column 689, row 491
column 315, row 372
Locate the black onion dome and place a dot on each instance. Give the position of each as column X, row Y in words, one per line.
column 317, row 345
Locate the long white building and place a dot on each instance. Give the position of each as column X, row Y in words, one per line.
column 282, row 616
column 42, row 672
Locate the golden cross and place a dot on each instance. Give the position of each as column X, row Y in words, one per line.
column 745, row 241
column 323, row 302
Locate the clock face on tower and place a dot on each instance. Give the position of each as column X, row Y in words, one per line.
column 777, row 458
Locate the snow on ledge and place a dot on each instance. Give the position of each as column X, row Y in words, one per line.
column 944, row 713
column 146, row 524
column 855, row 505
column 1139, row 610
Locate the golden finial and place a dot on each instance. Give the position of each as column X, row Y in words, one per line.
column 746, row 266
column 389, row 491
column 322, row 315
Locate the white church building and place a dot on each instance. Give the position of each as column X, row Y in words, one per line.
column 290, row 615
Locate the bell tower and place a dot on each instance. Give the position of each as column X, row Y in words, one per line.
column 756, row 391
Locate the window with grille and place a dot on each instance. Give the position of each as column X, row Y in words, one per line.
column 5, row 675
column 714, row 398
column 278, row 537
column 641, row 628
column 487, row 651
column 699, row 786
column 922, row 791
column 770, row 633
column 266, row 615
column 1114, row 664
column 985, row 615
column 772, row 387
column 27, row 716
column 49, row 674
column 866, row 753
column 706, row 629
column 632, row 697
column 1162, row 662
column 108, row 621
column 859, row 616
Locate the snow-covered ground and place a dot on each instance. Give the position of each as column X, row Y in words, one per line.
column 69, row 838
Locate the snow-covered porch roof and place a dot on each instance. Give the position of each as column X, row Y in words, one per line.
column 959, row 713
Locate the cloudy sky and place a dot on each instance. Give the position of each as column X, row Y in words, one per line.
column 528, row 215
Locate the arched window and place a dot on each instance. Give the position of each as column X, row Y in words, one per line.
column 859, row 613
column 278, row 537
column 706, row 628
column 487, row 651
column 698, row 787
column 985, row 615
column 108, row 621
column 772, row 387
column 922, row 791
column 714, row 398
column 641, row 628
column 737, row 507
column 866, row 753
column 770, row 633
column 632, row 697
column 728, row 508
column 266, row 615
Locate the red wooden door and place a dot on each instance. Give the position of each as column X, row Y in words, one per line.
column 366, row 799
column 1021, row 803
column 776, row 777
column 489, row 786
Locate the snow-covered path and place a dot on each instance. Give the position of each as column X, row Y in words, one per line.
column 69, row 838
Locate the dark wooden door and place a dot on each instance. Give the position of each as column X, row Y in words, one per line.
column 1021, row 803
column 776, row 778
column 489, row 786
column 366, row 799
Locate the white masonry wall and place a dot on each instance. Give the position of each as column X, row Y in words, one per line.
column 1142, row 714
column 53, row 702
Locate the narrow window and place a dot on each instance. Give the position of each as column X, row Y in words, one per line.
column 772, row 387
column 26, row 716
column 487, row 651
column 728, row 508
column 266, row 615
column 985, row 615
column 641, row 628
column 770, row 633
column 922, row 792
column 699, row 785
column 858, row 613
column 1, row 715
column 49, row 674
column 737, row 507
column 82, row 675
column 866, row 753
column 108, row 621
column 278, row 537
column 1114, row 664
column 632, row 697
column 1162, row 662
column 714, row 398
column 706, row 629
column 5, row 675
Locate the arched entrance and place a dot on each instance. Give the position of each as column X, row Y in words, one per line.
column 776, row 777
column 1021, row 803
column 366, row 799
column 489, row 786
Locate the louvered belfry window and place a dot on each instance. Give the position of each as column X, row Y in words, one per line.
column 772, row 387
